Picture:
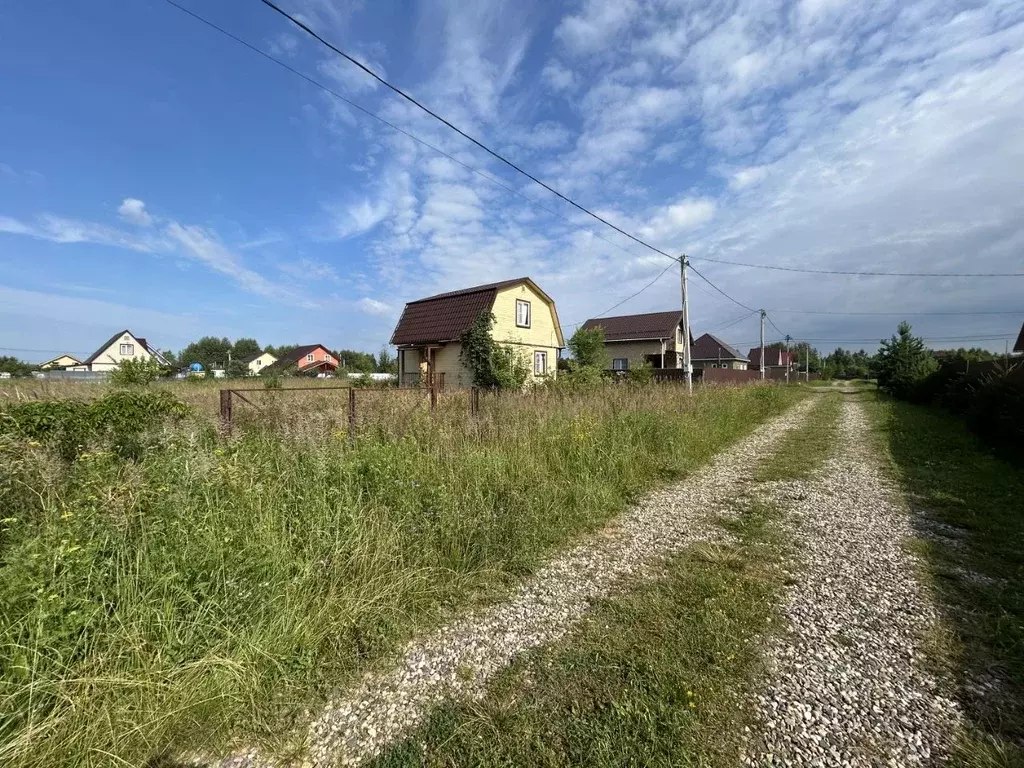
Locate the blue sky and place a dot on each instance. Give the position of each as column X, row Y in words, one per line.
column 156, row 175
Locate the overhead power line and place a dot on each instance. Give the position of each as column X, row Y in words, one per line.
column 890, row 314
column 864, row 273
column 369, row 113
column 739, row 304
column 496, row 155
column 631, row 296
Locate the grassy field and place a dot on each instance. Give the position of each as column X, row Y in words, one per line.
column 658, row 675
column 213, row 588
column 976, row 566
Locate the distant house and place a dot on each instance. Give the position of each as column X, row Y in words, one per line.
column 311, row 359
column 1018, row 347
column 258, row 361
column 120, row 347
column 655, row 337
column 61, row 361
column 428, row 333
column 711, row 352
column 774, row 359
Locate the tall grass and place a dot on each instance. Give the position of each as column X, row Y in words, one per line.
column 215, row 589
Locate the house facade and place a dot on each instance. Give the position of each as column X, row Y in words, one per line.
column 258, row 361
column 655, row 338
column 774, row 359
column 310, row 359
column 120, row 347
column 427, row 335
column 61, row 361
column 711, row 352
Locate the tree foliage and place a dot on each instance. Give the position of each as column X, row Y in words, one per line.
column 903, row 362
column 386, row 362
column 588, row 350
column 209, row 351
column 842, row 363
column 15, row 367
column 491, row 364
column 244, row 348
column 137, row 372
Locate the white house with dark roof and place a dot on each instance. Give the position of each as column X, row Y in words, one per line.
column 709, row 351
column 122, row 346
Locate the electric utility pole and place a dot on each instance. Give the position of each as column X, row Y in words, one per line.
column 762, row 344
column 807, row 363
column 788, row 362
column 683, row 261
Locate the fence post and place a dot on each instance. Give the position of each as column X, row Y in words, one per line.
column 474, row 400
column 433, row 393
column 225, row 410
column 351, row 413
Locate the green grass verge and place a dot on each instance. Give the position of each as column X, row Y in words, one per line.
column 212, row 588
column 655, row 676
column 806, row 447
column 978, row 576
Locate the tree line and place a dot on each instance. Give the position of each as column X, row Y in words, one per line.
column 212, row 352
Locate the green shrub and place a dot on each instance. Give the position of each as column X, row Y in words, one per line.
column 641, row 373
column 135, row 373
column 119, row 422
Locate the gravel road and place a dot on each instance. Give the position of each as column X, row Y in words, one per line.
column 848, row 683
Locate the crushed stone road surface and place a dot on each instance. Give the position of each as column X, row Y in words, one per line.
column 849, row 683
column 458, row 659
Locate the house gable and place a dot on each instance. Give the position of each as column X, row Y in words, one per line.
column 538, row 328
column 120, row 347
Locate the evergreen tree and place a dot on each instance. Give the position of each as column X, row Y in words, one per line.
column 903, row 362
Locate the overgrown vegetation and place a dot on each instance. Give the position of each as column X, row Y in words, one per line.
column 137, row 372
column 206, row 589
column 976, row 567
column 492, row 365
column 122, row 422
column 655, row 676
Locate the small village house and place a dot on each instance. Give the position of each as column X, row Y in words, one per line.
column 311, row 360
column 711, row 352
column 655, row 338
column 258, row 361
column 427, row 335
column 61, row 361
column 122, row 346
column 774, row 359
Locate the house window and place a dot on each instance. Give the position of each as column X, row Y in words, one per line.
column 522, row 313
column 127, row 350
column 309, row 358
column 620, row 364
column 540, row 363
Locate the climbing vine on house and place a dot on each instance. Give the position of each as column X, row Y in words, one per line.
column 491, row 364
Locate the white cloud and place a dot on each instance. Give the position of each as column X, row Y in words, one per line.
column 673, row 220
column 748, row 177
column 134, row 212
column 374, row 307
column 205, row 247
column 598, row 25
column 558, row 76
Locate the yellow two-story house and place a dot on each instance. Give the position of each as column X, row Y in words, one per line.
column 427, row 335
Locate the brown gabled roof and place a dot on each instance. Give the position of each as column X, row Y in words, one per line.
column 1019, row 346
column 771, row 357
column 650, row 326
column 709, row 347
column 293, row 357
column 446, row 316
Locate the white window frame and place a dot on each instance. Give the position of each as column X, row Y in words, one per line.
column 523, row 303
column 127, row 350
column 309, row 358
column 542, row 358
column 620, row 364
